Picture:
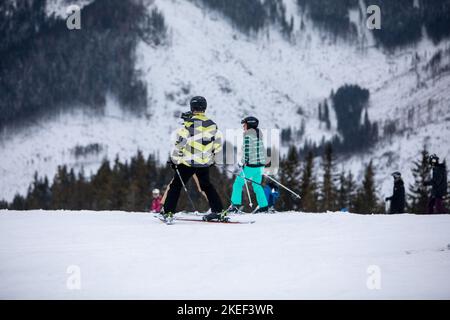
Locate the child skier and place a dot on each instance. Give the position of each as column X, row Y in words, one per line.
column 156, row 202
column 253, row 164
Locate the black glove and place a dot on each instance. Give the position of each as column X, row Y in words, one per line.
column 186, row 115
column 172, row 164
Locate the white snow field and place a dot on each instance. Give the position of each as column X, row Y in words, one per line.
column 116, row 255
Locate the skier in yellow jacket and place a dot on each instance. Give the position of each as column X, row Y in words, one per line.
column 196, row 145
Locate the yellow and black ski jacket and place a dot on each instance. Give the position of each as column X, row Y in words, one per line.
column 197, row 142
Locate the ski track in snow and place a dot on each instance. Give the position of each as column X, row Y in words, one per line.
column 282, row 256
column 266, row 76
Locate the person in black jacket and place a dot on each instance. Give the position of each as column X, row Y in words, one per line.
column 398, row 197
column 438, row 186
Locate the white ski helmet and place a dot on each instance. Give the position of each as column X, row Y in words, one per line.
column 155, row 191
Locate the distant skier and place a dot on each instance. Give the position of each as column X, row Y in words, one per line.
column 253, row 163
column 272, row 194
column 438, row 185
column 197, row 142
column 156, row 202
column 398, row 197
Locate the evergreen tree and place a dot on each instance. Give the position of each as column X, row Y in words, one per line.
column 418, row 193
column 72, row 199
column 347, row 191
column 401, row 23
column 132, row 197
column 331, row 15
column 286, row 136
column 367, row 201
column 82, row 192
column 342, row 194
column 18, row 203
column 289, row 176
column 326, row 115
column 119, row 184
column 320, row 112
column 60, row 189
column 436, row 16
column 140, row 187
column 247, row 16
column 39, row 195
column 309, row 185
column 102, row 188
column 328, row 187
column 350, row 187
column 3, row 205
column 349, row 102
column 51, row 67
column 153, row 173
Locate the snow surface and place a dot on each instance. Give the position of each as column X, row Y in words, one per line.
column 282, row 256
column 266, row 76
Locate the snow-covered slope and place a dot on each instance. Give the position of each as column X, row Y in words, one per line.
column 285, row 256
column 280, row 82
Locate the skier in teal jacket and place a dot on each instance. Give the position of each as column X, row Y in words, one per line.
column 253, row 164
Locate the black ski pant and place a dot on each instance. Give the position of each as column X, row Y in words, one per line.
column 438, row 203
column 397, row 208
column 186, row 173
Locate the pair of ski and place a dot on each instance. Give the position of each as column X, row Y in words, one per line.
column 199, row 218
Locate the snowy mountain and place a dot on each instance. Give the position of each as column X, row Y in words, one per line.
column 116, row 255
column 279, row 81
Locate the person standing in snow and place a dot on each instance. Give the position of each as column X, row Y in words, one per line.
column 438, row 185
column 156, row 202
column 398, row 197
column 253, row 163
column 197, row 142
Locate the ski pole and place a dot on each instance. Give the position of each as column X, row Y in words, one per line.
column 246, row 187
column 295, row 194
column 246, row 179
column 185, row 189
column 286, row 188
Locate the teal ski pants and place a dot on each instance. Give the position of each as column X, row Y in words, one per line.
column 254, row 174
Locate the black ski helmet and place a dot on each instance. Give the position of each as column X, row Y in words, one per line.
column 198, row 104
column 433, row 159
column 396, row 175
column 252, row 122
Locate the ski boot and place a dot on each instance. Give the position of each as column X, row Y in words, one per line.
column 272, row 210
column 220, row 217
column 166, row 217
column 262, row 210
column 234, row 209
